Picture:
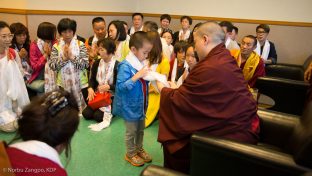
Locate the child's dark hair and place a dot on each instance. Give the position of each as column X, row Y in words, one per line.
column 137, row 39
column 66, row 24
column 121, row 33
column 17, row 29
column 108, row 44
column 155, row 55
column 52, row 119
column 4, row 25
column 46, row 31
column 180, row 46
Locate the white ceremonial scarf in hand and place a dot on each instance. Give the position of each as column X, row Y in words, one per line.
column 265, row 51
column 105, row 76
column 151, row 75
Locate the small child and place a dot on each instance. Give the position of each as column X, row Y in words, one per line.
column 131, row 94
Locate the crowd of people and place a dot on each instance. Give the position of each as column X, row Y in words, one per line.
column 193, row 80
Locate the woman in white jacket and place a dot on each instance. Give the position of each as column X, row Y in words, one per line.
column 13, row 93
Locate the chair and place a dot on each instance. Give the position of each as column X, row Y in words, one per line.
column 285, row 148
column 288, row 71
column 153, row 170
column 289, row 95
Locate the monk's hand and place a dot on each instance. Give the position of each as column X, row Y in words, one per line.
column 172, row 85
column 307, row 73
column 160, row 85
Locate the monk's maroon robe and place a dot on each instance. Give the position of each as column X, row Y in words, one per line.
column 213, row 98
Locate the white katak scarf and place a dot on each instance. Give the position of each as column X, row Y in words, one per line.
column 227, row 42
column 40, row 44
column 40, row 149
column 105, row 72
column 265, row 51
column 175, row 69
column 151, row 75
column 70, row 74
column 185, row 36
column 132, row 30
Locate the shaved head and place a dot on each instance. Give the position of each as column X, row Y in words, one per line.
column 207, row 36
column 213, row 30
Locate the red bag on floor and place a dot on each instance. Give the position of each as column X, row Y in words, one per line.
column 100, row 100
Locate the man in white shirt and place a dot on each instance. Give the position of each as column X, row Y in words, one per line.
column 137, row 23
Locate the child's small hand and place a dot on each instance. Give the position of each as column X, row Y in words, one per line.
column 140, row 74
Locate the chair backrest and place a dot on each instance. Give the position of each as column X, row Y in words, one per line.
column 289, row 95
column 154, row 170
column 287, row 71
column 301, row 141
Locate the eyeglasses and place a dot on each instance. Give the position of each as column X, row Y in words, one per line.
column 9, row 36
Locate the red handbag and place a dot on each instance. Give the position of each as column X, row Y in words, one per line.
column 100, row 100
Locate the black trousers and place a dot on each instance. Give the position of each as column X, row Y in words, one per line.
column 90, row 114
column 84, row 92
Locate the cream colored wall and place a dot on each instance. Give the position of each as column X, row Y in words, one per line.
column 16, row 4
column 84, row 25
column 13, row 18
column 83, row 5
column 293, row 44
column 277, row 10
